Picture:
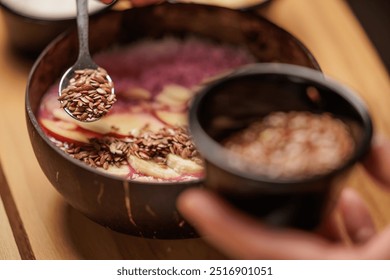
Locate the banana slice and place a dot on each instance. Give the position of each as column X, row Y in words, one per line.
column 174, row 95
column 151, row 168
column 172, row 118
column 137, row 93
column 183, row 166
column 177, row 92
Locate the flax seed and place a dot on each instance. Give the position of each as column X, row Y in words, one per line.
column 89, row 89
column 292, row 145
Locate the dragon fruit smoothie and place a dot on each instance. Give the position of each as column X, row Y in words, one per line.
column 144, row 136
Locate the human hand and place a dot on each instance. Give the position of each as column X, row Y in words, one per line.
column 240, row 236
column 134, row 2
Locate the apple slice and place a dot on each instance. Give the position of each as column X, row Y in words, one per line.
column 50, row 102
column 121, row 171
column 183, row 166
column 153, row 169
column 98, row 126
column 120, row 123
column 64, row 131
column 172, row 118
column 174, row 96
column 62, row 115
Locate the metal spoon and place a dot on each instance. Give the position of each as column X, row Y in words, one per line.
column 84, row 61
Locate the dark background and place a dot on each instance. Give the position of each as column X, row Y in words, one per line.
column 374, row 15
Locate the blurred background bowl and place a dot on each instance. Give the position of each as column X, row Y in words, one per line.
column 257, row 91
column 32, row 24
column 143, row 209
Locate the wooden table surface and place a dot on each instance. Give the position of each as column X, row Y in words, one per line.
column 35, row 222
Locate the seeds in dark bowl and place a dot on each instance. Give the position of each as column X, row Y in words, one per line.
column 292, row 145
column 166, row 149
column 89, row 95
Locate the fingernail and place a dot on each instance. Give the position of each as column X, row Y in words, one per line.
column 189, row 200
column 379, row 140
column 194, row 206
column 196, row 203
column 364, row 234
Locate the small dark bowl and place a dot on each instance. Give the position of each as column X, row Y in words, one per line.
column 254, row 92
column 137, row 208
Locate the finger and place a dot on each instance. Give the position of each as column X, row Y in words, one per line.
column 356, row 216
column 239, row 236
column 349, row 221
column 377, row 162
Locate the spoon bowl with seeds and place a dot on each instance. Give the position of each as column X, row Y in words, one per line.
column 86, row 91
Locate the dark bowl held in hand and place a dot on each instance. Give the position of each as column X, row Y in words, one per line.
column 254, row 92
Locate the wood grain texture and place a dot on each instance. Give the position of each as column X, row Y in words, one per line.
column 56, row 231
column 8, row 247
column 14, row 220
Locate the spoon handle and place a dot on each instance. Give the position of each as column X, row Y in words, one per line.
column 83, row 29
